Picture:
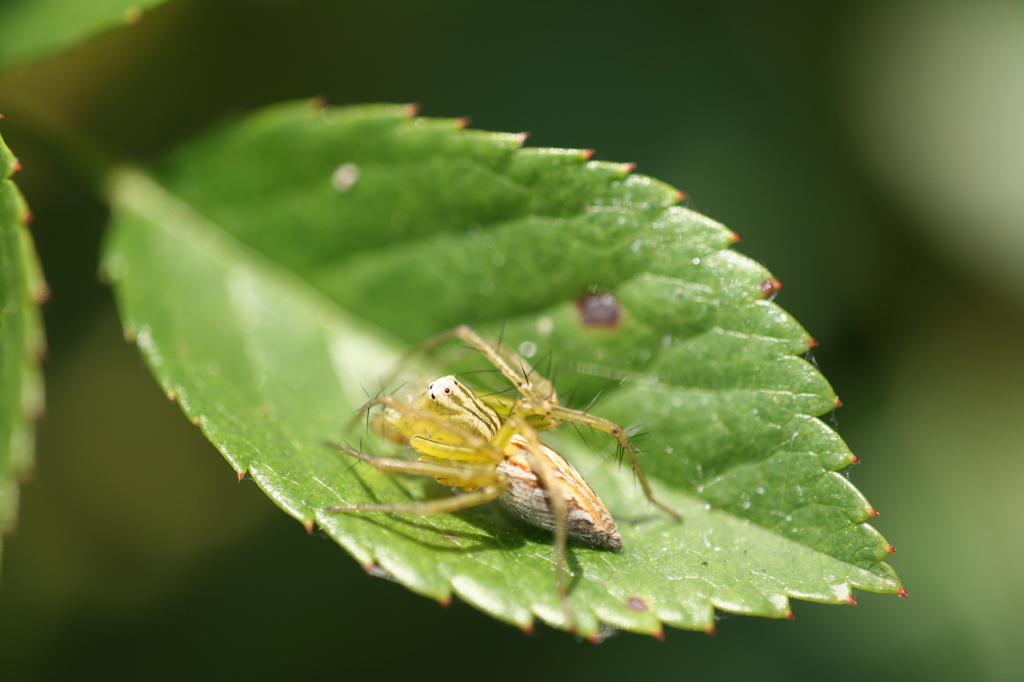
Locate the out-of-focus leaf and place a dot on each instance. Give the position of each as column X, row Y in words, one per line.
column 30, row 29
column 284, row 261
column 21, row 342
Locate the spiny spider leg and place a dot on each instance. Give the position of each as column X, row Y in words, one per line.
column 556, row 499
column 465, row 442
column 527, row 407
column 467, row 335
column 442, row 505
column 465, row 475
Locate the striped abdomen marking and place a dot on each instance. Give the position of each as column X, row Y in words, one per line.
column 586, row 516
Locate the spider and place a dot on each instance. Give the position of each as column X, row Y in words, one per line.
column 487, row 445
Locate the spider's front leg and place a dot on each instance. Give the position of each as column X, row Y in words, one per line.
column 483, row 482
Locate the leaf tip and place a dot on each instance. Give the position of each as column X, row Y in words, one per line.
column 735, row 237
column 902, row 592
column 682, row 196
column 812, row 342
column 892, row 550
column 851, row 600
column 586, row 154
column 790, row 615
column 770, row 286
column 446, row 601
column 462, row 123
column 308, row 525
column 854, row 459
column 527, row 628
column 873, row 512
column 839, row 403
column 15, row 166
column 710, row 631
column 659, row 634
column 410, row 110
column 241, row 475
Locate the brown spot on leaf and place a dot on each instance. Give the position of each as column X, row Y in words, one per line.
column 599, row 310
column 636, row 604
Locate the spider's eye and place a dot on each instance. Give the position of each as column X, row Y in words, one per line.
column 430, row 387
column 447, row 390
column 433, row 397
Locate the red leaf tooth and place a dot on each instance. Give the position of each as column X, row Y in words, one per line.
column 710, row 631
column 26, row 218
column 736, row 238
column 461, row 123
column 873, row 512
column 595, row 638
column 16, row 165
column 527, row 629
column 851, row 600
column 172, row 396
column 770, row 286
column 790, row 615
column 241, row 476
column 854, row 459
column 659, row 634
column 628, row 168
column 902, row 592
column 680, row 195
column 308, row 525
column 411, row 110
column 839, row 403
column 812, row 343
column 446, row 601
column 587, row 153
column 892, row 550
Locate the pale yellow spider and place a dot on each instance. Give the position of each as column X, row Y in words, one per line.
column 487, row 445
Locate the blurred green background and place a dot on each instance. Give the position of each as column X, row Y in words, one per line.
column 869, row 153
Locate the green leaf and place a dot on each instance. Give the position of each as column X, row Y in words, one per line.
column 21, row 342
column 30, row 29
column 286, row 261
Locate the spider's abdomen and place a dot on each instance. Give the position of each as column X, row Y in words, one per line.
column 587, row 519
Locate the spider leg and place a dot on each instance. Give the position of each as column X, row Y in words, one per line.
column 429, row 507
column 527, row 407
column 517, row 425
column 446, row 440
column 538, row 387
column 467, row 476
